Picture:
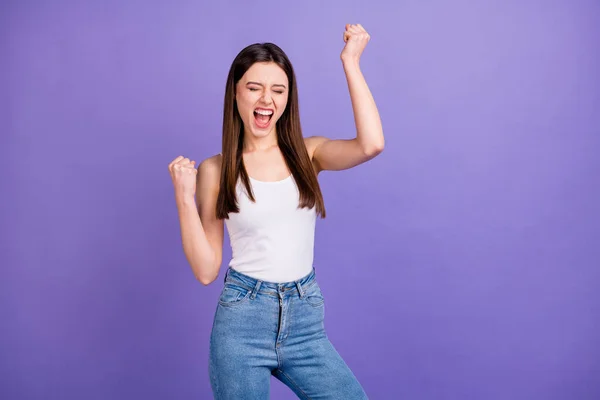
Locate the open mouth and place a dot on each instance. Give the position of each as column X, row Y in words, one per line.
column 262, row 117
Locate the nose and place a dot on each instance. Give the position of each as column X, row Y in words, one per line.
column 266, row 97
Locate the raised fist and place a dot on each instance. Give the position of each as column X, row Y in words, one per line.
column 356, row 39
column 183, row 173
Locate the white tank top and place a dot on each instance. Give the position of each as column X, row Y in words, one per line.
column 272, row 239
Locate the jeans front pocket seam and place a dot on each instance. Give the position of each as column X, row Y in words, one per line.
column 316, row 298
column 240, row 299
column 320, row 301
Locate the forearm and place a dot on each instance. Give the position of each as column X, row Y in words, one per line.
column 369, row 131
column 196, row 247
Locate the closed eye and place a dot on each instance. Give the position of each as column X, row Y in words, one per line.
column 276, row 91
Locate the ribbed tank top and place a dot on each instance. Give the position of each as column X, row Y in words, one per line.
column 272, row 239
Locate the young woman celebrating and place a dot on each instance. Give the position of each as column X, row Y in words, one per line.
column 263, row 185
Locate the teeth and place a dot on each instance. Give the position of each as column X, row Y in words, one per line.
column 264, row 112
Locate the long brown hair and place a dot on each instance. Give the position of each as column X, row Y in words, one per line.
column 289, row 136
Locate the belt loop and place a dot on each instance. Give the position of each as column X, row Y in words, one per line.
column 300, row 289
column 255, row 290
column 226, row 273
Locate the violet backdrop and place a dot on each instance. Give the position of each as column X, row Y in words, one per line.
column 462, row 263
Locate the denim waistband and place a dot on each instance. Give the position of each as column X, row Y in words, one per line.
column 233, row 276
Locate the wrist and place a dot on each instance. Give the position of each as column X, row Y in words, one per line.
column 350, row 61
column 184, row 199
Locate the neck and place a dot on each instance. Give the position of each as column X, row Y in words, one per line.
column 252, row 143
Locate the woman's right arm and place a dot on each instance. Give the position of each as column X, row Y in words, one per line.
column 201, row 231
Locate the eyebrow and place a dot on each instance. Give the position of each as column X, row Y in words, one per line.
column 260, row 84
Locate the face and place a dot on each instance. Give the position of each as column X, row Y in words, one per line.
column 261, row 97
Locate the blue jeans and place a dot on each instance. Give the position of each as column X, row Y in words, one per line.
column 264, row 328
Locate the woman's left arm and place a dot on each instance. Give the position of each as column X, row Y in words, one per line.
column 342, row 154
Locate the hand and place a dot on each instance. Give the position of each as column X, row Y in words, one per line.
column 183, row 173
column 356, row 39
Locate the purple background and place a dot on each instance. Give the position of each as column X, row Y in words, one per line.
column 462, row 263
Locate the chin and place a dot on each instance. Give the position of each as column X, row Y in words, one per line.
column 260, row 133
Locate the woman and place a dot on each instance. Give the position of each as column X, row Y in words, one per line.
column 264, row 187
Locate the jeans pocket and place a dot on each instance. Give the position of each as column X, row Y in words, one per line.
column 314, row 297
column 233, row 295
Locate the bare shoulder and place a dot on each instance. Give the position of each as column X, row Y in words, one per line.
column 208, row 180
column 312, row 142
column 209, row 170
column 211, row 164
